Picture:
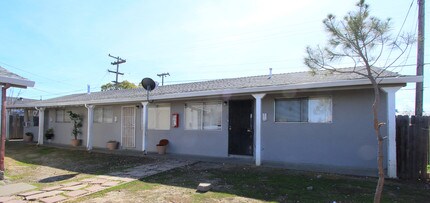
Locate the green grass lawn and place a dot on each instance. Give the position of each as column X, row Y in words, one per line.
column 238, row 183
column 231, row 183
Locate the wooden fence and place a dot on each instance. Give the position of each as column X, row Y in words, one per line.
column 412, row 138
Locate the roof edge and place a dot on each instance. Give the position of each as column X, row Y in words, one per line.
column 331, row 84
column 15, row 82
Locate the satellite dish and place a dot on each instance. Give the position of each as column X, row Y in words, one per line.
column 148, row 84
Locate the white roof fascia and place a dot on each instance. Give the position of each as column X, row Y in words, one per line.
column 340, row 83
column 16, row 82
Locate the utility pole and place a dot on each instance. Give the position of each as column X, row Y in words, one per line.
column 162, row 75
column 117, row 62
column 419, row 88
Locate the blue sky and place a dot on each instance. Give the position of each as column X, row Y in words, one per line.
column 64, row 45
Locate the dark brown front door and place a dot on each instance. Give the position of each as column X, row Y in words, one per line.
column 241, row 128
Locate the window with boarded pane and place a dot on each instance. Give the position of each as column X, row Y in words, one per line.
column 203, row 116
column 312, row 110
column 159, row 117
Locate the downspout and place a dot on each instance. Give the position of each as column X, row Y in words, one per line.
column 41, row 125
column 90, row 109
column 144, row 125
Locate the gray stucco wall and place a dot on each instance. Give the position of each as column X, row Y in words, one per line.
column 104, row 132
column 349, row 141
column 63, row 131
column 192, row 142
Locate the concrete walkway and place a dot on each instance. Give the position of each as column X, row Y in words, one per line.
column 72, row 190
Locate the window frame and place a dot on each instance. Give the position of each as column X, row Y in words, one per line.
column 308, row 98
column 155, row 107
column 203, row 104
column 64, row 116
column 102, row 114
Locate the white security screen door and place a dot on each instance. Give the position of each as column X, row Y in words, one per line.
column 128, row 127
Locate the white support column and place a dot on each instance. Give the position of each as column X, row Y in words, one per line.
column 90, row 109
column 41, row 125
column 391, row 130
column 144, row 125
column 257, row 129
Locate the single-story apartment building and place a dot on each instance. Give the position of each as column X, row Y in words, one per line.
column 318, row 120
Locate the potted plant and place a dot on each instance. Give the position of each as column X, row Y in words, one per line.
column 112, row 145
column 28, row 137
column 162, row 145
column 49, row 134
column 77, row 124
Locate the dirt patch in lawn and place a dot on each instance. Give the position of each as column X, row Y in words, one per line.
column 42, row 166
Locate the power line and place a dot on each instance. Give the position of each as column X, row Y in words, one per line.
column 400, row 30
column 37, row 75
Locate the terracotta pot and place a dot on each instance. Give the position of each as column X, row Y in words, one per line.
column 76, row 142
column 112, row 145
column 161, row 149
column 28, row 138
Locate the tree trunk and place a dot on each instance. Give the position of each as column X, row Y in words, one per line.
column 380, row 159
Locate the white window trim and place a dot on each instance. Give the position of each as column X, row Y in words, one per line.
column 308, row 97
column 204, row 102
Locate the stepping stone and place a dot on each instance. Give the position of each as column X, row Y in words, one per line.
column 99, row 181
column 71, row 184
column 57, row 198
column 5, row 198
column 113, row 178
column 88, row 180
column 110, row 183
column 76, row 193
column 95, row 188
column 16, row 201
column 76, row 187
column 43, row 195
column 105, row 177
column 15, row 188
column 51, row 188
column 30, row 193
column 204, row 187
